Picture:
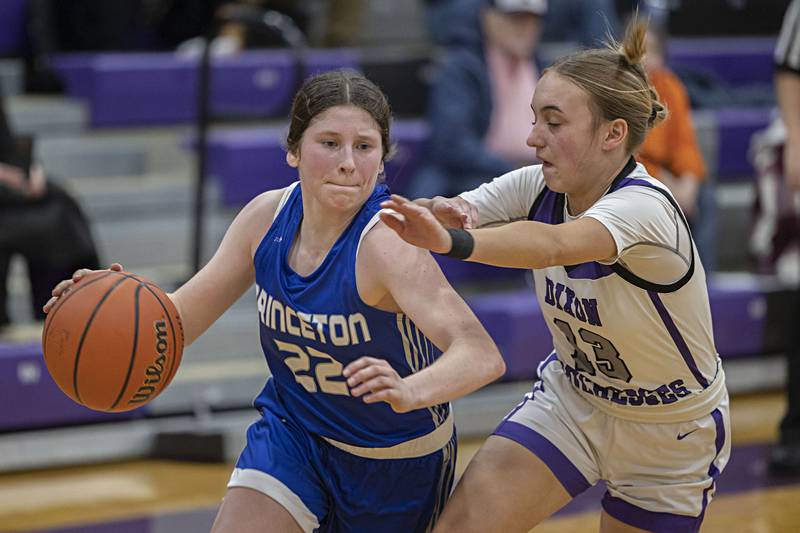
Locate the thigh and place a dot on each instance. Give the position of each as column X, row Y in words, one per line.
column 282, row 463
column 246, row 510
column 661, row 477
column 388, row 495
column 505, row 488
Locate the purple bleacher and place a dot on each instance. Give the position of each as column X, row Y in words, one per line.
column 75, row 69
column 739, row 312
column 736, row 60
column 13, row 24
column 257, row 83
column 31, row 399
column 317, row 61
column 735, row 127
column 466, row 272
column 514, row 320
column 161, row 88
column 247, row 162
column 410, row 137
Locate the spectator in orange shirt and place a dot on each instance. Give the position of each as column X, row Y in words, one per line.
column 670, row 151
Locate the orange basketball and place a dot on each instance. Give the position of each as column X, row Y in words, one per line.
column 113, row 342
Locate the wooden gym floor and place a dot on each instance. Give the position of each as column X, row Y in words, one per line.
column 163, row 496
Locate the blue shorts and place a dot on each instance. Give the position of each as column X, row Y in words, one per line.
column 331, row 490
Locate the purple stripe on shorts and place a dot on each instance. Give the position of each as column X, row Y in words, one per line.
column 567, row 473
column 719, row 442
column 650, row 520
column 677, row 338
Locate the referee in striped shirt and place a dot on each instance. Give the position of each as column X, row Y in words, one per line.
column 785, row 458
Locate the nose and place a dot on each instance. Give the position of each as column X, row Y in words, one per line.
column 534, row 140
column 346, row 164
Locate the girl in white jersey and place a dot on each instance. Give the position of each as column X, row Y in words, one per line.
column 634, row 392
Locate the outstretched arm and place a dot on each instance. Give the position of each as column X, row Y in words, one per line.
column 521, row 244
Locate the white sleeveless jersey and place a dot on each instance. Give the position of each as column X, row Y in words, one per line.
column 634, row 333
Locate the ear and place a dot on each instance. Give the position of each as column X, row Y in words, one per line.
column 615, row 135
column 380, row 169
column 291, row 159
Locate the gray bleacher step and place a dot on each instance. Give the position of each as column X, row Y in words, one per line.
column 111, row 153
column 11, row 77
column 45, row 116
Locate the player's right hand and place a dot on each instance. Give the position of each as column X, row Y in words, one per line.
column 455, row 213
column 65, row 285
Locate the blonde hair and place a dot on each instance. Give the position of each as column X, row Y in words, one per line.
column 616, row 82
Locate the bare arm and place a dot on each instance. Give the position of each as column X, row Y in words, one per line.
column 223, row 280
column 521, row 244
column 411, row 278
column 788, row 91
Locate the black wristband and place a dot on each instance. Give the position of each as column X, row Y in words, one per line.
column 463, row 244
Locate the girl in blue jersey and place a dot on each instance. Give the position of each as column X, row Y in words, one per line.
column 634, row 393
column 365, row 339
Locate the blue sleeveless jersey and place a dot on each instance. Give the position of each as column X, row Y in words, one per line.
column 312, row 326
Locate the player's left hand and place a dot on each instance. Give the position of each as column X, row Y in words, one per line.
column 377, row 381
column 415, row 224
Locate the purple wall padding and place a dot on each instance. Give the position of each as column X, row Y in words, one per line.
column 161, row 88
column 31, row 399
column 739, row 312
column 735, row 127
column 13, row 20
column 736, row 60
column 514, row 320
column 248, row 162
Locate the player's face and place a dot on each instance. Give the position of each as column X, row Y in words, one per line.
column 564, row 134
column 340, row 157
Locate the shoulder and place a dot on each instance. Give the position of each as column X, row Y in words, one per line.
column 384, row 250
column 255, row 218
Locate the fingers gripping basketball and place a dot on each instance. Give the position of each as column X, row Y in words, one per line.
column 113, row 342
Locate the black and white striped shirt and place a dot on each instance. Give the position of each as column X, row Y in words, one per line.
column 787, row 51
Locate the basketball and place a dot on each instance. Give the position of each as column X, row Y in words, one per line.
column 113, row 342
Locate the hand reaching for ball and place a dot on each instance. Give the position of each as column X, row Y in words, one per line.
column 65, row 285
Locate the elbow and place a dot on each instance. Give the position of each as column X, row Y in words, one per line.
column 499, row 369
column 497, row 366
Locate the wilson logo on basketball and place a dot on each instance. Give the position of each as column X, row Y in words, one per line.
column 153, row 372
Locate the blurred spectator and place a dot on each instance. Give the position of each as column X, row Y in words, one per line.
column 487, row 75
column 584, row 22
column 40, row 222
column 250, row 24
column 784, row 236
column 671, row 153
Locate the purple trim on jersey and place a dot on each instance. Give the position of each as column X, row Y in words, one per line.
column 567, row 473
column 547, row 360
column 591, row 270
column 626, row 182
column 546, row 210
column 650, row 520
column 677, row 338
column 713, row 471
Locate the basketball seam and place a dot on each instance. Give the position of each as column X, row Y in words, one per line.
column 133, row 350
column 173, row 367
column 60, row 304
column 85, row 332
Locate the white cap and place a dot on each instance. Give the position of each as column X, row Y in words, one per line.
column 537, row 7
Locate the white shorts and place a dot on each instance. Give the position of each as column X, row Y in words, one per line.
column 659, row 477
